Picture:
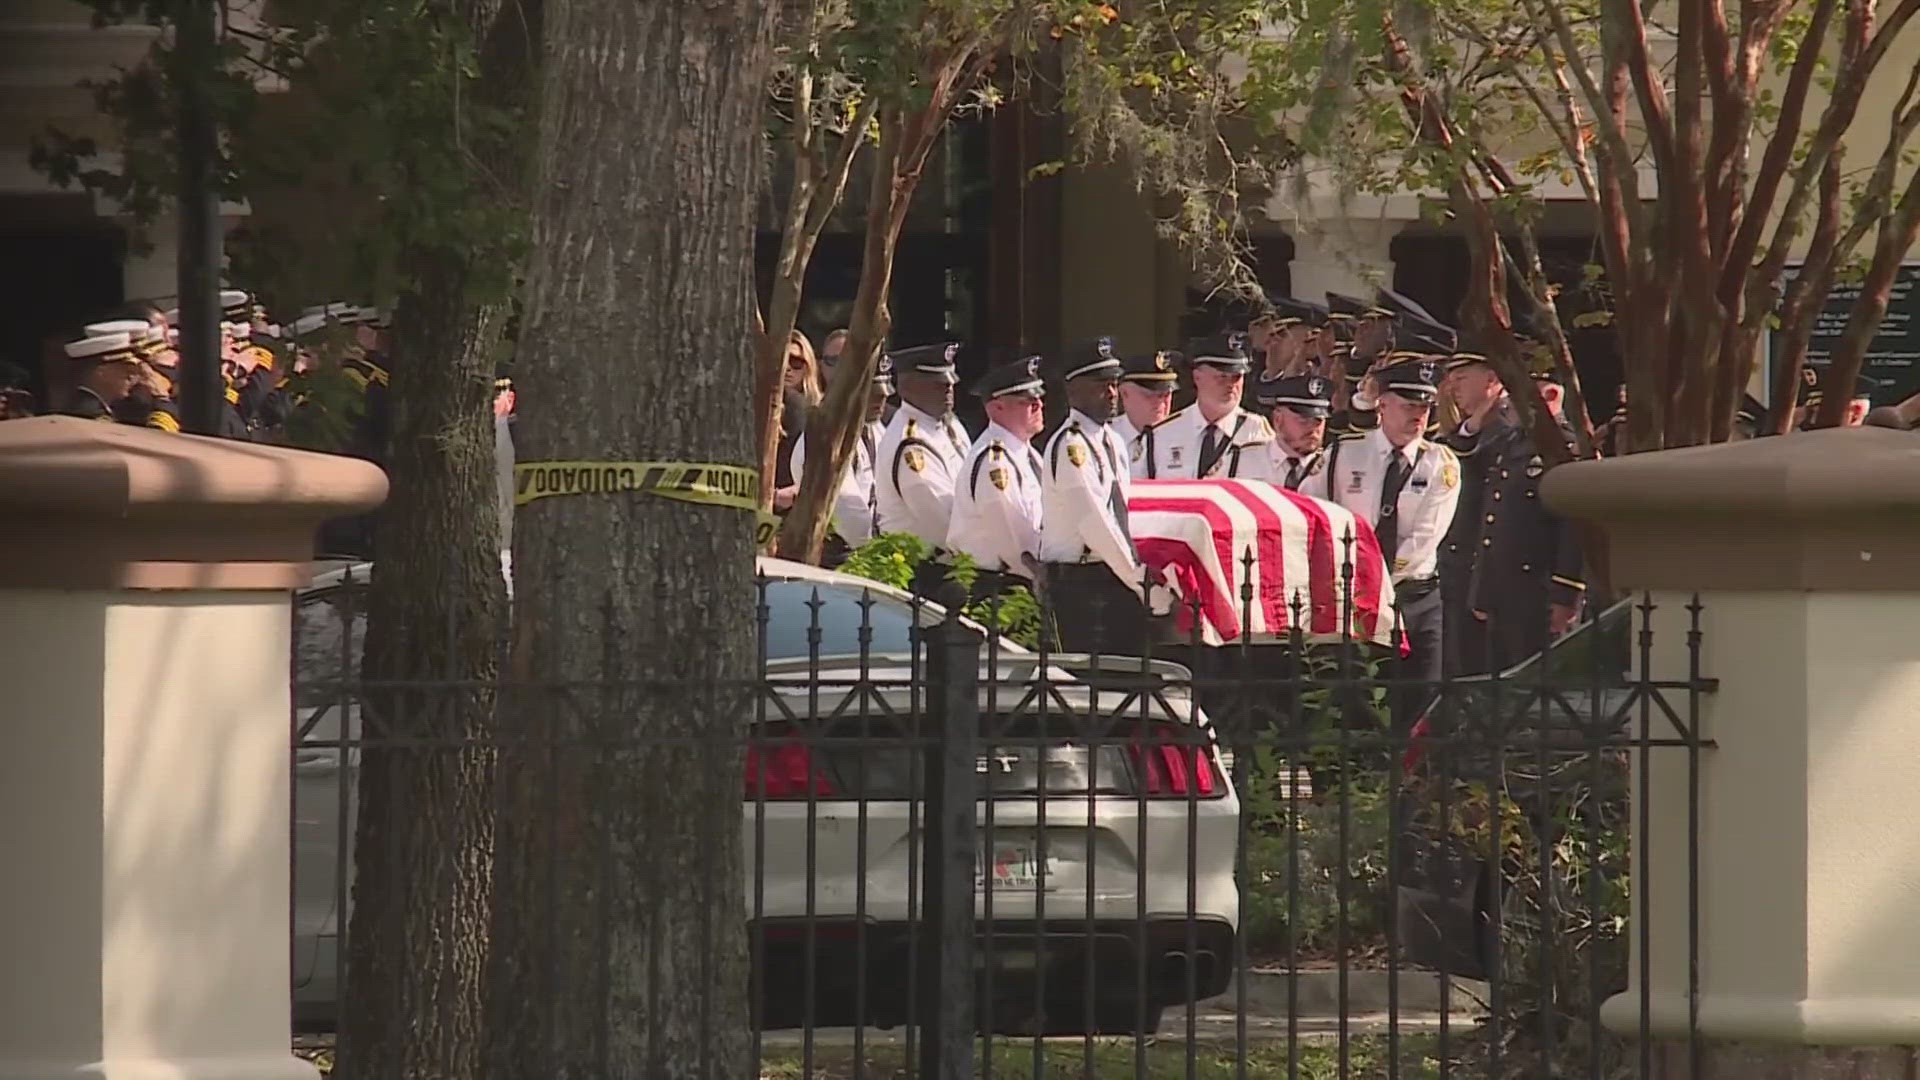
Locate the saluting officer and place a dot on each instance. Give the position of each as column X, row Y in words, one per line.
column 1214, row 438
column 856, row 509
column 107, row 372
column 149, row 402
column 1407, row 489
column 1528, row 581
column 1291, row 346
column 1476, row 392
column 1299, row 406
column 1146, row 397
column 1093, row 574
column 996, row 500
column 922, row 447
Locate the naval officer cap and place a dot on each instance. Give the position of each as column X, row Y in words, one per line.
column 1152, row 370
column 1020, row 378
column 1222, row 352
column 1309, row 395
column 1094, row 359
column 235, row 304
column 1414, row 377
column 1352, row 309
column 935, row 360
column 102, row 348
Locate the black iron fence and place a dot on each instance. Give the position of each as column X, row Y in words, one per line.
column 959, row 857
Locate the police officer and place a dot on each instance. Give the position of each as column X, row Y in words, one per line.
column 920, row 452
column 1292, row 337
column 996, row 498
column 1146, row 398
column 1299, row 406
column 1406, row 488
column 1093, row 576
column 1214, row 438
column 856, row 511
column 1528, row 584
column 1471, row 384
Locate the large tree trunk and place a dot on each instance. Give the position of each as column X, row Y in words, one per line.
column 619, row 911
column 418, row 934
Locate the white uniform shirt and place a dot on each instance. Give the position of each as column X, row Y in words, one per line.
column 1084, row 473
column 1285, row 463
column 1357, row 467
column 1170, row 450
column 996, row 502
column 855, row 509
column 916, row 467
column 1128, row 435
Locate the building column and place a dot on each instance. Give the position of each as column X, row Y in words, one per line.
column 1344, row 255
column 145, row 624
column 1795, row 896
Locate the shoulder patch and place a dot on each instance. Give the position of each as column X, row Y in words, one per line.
column 999, row 478
column 915, row 458
column 1450, row 473
column 1076, row 453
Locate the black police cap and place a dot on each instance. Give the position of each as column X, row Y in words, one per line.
column 1228, row 352
column 1288, row 311
column 1414, row 376
column 1308, row 395
column 1019, row 378
column 1150, row 369
column 1095, row 358
column 926, row 359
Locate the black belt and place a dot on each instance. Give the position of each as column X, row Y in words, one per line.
column 1416, row 588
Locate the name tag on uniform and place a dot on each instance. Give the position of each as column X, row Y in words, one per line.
column 1173, row 455
column 1355, row 481
column 1418, row 483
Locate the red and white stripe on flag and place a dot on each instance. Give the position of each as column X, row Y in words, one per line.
column 1196, row 534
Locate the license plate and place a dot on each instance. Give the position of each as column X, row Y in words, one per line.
column 1010, row 867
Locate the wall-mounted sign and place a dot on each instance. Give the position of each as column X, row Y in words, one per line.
column 1893, row 357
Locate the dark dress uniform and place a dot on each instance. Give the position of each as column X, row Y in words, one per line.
column 143, row 409
column 369, row 375
column 1529, row 557
column 88, row 405
column 1465, row 644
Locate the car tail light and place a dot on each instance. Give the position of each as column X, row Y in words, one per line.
column 1169, row 770
column 783, row 767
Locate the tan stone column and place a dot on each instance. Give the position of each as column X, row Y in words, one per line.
column 144, row 787
column 1805, row 553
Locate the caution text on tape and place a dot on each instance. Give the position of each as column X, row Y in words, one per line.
column 688, row 481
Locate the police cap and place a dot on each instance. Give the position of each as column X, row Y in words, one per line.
column 1226, row 352
column 1021, row 378
column 1154, row 369
column 1415, row 377
column 935, row 360
column 1091, row 359
column 1309, row 395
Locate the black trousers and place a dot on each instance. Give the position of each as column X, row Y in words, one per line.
column 932, row 581
column 1092, row 611
column 1423, row 623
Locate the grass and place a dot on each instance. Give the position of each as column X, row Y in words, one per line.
column 1367, row 1058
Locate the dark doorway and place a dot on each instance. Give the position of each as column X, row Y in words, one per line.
column 53, row 278
column 1433, row 269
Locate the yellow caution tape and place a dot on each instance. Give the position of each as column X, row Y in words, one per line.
column 689, row 481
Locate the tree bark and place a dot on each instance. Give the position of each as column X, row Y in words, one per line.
column 619, row 931
column 1897, row 236
column 422, row 896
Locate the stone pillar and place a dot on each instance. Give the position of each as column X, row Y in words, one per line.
column 144, row 791
column 1343, row 255
column 1805, row 554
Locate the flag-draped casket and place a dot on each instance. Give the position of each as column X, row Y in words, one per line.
column 1211, row 539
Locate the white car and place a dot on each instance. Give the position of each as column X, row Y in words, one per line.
column 1109, row 797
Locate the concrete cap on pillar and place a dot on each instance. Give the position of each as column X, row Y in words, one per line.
column 1835, row 509
column 90, row 505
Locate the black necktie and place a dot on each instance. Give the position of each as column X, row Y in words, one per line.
column 1115, row 498
column 1295, row 467
column 871, row 446
column 1211, row 447
column 1388, row 531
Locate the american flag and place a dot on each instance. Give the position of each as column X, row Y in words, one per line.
column 1195, row 536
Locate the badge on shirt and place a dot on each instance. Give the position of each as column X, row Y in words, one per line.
column 916, row 460
column 1173, row 455
column 1076, row 454
column 999, row 478
column 1355, row 481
